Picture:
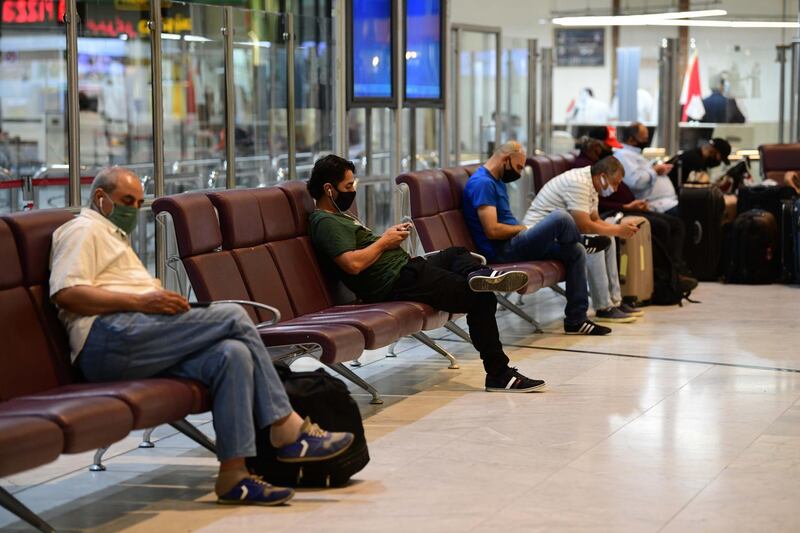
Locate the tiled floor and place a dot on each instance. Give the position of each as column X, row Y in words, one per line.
column 688, row 420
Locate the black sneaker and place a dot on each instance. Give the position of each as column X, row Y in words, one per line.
column 686, row 283
column 586, row 328
column 513, row 381
column 596, row 243
column 488, row 280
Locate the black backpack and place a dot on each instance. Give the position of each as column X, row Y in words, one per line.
column 666, row 284
column 752, row 251
column 327, row 401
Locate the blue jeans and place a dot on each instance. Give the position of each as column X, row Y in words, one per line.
column 218, row 346
column 603, row 276
column 555, row 237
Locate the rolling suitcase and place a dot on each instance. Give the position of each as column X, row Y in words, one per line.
column 702, row 208
column 636, row 263
column 752, row 251
column 766, row 197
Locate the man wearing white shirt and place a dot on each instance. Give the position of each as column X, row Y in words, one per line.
column 577, row 192
column 646, row 181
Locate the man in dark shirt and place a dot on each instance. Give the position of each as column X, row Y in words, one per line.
column 720, row 107
column 377, row 269
column 700, row 159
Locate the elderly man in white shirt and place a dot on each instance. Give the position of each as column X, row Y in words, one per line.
column 578, row 191
column 123, row 325
column 646, row 181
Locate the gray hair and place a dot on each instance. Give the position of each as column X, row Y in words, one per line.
column 511, row 147
column 106, row 180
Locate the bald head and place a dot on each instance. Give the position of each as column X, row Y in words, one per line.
column 636, row 135
column 119, row 184
column 509, row 156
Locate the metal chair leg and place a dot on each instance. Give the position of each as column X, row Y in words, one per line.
column 520, row 299
column 97, row 462
column 458, row 330
column 146, row 439
column 505, row 302
column 195, row 434
column 427, row 341
column 355, row 363
column 341, row 369
column 559, row 290
column 9, row 502
column 392, row 348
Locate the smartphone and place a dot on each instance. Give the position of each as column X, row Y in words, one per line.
column 200, row 304
column 640, row 224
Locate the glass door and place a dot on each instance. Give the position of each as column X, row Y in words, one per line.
column 477, row 123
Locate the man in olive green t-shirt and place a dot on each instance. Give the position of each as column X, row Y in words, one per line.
column 377, row 269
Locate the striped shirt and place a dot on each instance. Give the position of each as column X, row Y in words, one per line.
column 573, row 190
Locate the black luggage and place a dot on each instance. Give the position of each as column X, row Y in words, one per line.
column 752, row 250
column 327, row 401
column 768, row 198
column 702, row 208
column 790, row 241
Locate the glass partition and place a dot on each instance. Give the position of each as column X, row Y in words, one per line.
column 259, row 58
column 314, row 62
column 193, row 85
column 33, row 87
column 514, row 73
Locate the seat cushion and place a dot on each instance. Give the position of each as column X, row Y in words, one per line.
column 409, row 317
column 87, row 423
column 152, row 401
column 378, row 328
column 552, row 271
column 431, row 318
column 338, row 342
column 28, row 442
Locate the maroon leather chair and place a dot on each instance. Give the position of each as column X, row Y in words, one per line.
column 543, row 171
column 37, row 380
column 777, row 159
column 560, row 164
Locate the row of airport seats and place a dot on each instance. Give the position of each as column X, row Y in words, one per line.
column 45, row 407
column 253, row 245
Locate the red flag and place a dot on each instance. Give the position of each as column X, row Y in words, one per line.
column 691, row 97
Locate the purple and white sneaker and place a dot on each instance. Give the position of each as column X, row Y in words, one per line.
column 255, row 491
column 315, row 444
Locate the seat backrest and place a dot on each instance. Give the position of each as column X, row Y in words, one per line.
column 35, row 352
column 570, row 160
column 560, row 164
column 542, row 170
column 776, row 159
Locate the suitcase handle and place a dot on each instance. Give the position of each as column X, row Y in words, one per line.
column 698, row 232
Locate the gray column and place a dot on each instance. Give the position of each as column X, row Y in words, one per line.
column 547, row 99
column 73, row 111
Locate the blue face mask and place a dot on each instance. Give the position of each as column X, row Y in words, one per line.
column 608, row 190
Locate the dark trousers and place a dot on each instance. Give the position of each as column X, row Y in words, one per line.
column 440, row 280
column 669, row 230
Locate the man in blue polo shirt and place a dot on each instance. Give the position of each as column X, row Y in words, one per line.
column 501, row 238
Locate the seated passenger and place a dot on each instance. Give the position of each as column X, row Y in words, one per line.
column 577, row 192
column 500, row 237
column 666, row 229
column 376, row 269
column 710, row 155
column 648, row 182
column 123, row 325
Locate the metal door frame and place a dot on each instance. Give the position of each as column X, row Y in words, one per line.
column 455, row 35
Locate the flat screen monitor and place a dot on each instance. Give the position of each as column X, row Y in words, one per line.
column 371, row 52
column 423, row 52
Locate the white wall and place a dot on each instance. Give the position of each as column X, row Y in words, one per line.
column 717, row 48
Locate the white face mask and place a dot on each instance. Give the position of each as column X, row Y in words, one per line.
column 608, row 190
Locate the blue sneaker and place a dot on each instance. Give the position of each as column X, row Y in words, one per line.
column 315, row 444
column 255, row 491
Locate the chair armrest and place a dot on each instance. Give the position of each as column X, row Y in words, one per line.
column 276, row 314
column 479, row 257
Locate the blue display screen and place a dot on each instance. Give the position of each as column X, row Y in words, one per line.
column 372, row 49
column 423, row 49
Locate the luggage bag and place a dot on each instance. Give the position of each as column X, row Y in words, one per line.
column 702, row 208
column 636, row 263
column 752, row 250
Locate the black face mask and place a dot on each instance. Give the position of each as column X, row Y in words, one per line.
column 642, row 144
column 509, row 174
column 713, row 162
column 344, row 200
